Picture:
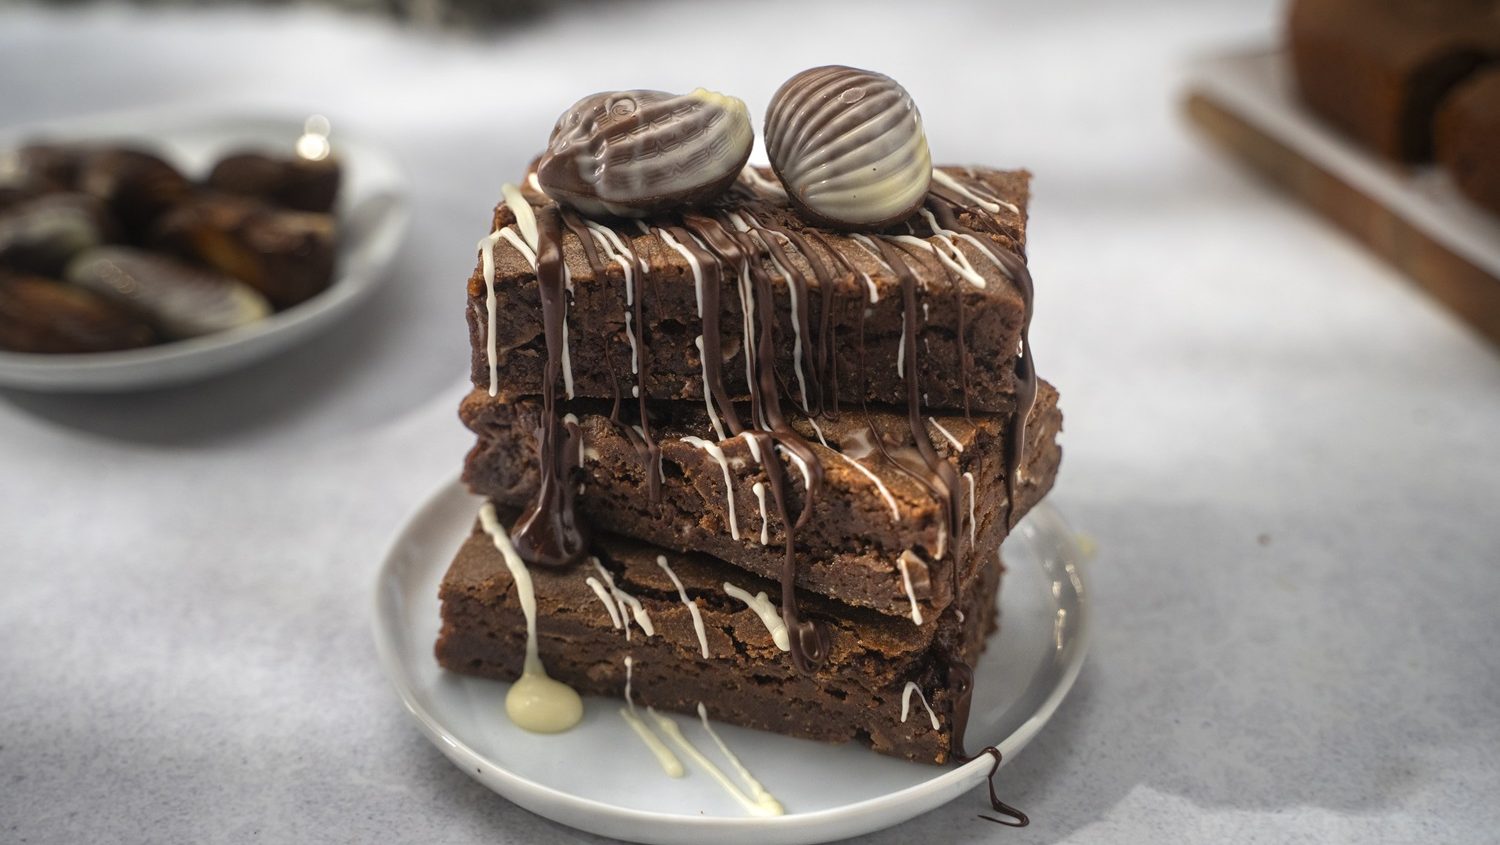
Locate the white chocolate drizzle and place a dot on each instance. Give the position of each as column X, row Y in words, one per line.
column 912, row 687
column 603, row 594
column 535, row 701
column 992, row 204
column 692, row 605
column 911, row 596
column 664, row 756
column 708, row 399
column 759, row 489
column 756, row 807
column 969, row 477
column 880, row 485
column 946, row 433
column 819, row 431
column 718, row 455
column 766, row 610
column 487, row 257
column 628, row 603
column 762, row 797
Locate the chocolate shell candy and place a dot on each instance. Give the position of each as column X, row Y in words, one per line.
column 296, row 183
column 138, row 187
column 180, row 300
column 632, row 153
column 286, row 255
column 41, row 235
column 44, row 315
column 848, row 147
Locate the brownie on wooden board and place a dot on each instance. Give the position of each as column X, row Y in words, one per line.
column 1377, row 69
column 1468, row 137
column 851, row 547
column 746, row 679
column 603, row 360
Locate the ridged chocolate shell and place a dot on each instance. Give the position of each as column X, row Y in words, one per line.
column 631, row 153
column 848, row 146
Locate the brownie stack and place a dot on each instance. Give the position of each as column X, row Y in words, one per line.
column 770, row 462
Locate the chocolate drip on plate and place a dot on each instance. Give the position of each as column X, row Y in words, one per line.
column 1013, row 816
column 548, row 532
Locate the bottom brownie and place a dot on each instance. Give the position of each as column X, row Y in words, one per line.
column 745, row 679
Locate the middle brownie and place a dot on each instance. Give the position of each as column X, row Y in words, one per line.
column 877, row 537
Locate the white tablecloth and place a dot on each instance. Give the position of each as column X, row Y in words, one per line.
column 1288, row 457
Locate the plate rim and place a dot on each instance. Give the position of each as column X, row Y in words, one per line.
column 467, row 758
column 162, row 365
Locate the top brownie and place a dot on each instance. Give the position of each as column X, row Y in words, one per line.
column 847, row 316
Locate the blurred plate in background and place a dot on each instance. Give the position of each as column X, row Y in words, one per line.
column 372, row 213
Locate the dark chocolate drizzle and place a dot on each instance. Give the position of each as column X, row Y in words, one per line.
column 549, row 532
column 1013, row 816
column 723, row 247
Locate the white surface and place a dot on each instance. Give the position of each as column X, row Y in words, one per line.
column 1259, row 86
column 185, row 609
column 372, row 210
column 828, row 792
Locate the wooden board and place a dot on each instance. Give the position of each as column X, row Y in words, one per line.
column 1412, row 217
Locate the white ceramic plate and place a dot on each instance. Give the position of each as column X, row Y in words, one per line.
column 373, row 215
column 599, row 777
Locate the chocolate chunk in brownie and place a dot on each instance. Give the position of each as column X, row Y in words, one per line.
column 875, row 505
column 839, row 342
column 746, row 678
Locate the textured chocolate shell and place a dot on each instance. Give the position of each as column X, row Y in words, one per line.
column 179, row 299
column 631, row 153
column 848, row 146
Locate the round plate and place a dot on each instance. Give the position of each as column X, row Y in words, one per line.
column 599, row 777
column 372, row 211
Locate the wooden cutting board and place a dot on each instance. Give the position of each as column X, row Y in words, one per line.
column 1413, row 217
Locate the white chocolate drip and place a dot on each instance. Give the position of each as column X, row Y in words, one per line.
column 674, row 733
column 880, row 485
column 819, row 431
column 525, row 217
column 603, row 594
column 991, row 203
column 690, row 751
column 708, row 398
column 628, row 603
column 951, row 257
column 759, row 489
column 487, row 257
column 937, row 229
column 911, row 687
column 766, row 610
column 535, row 702
column 801, row 465
column 692, row 605
column 946, row 433
column 718, row 455
column 969, row 477
column 911, row 596
column 762, row 797
column 901, row 353
column 664, row 756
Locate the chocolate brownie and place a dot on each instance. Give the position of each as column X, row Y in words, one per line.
column 1468, row 138
column 745, row 678
column 838, row 343
column 875, row 503
column 1377, row 69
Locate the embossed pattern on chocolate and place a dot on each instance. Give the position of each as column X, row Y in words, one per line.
column 848, row 146
column 630, row 153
